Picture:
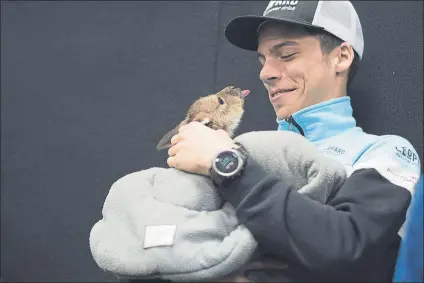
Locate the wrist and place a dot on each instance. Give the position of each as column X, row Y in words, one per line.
column 206, row 171
column 228, row 165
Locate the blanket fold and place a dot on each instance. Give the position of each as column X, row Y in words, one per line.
column 169, row 224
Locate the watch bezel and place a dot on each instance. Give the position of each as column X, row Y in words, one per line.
column 240, row 163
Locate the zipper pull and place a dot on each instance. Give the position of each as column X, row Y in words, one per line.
column 292, row 122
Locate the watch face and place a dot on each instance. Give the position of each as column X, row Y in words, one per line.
column 227, row 162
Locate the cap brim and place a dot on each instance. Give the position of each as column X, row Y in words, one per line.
column 243, row 31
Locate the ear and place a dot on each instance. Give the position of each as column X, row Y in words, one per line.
column 344, row 57
column 165, row 141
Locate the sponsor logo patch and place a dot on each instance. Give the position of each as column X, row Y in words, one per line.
column 280, row 6
column 335, row 150
column 407, row 155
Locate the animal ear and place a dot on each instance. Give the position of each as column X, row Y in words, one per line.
column 165, row 142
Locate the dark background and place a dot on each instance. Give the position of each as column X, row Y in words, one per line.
column 88, row 88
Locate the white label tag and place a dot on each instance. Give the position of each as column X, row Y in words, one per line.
column 160, row 235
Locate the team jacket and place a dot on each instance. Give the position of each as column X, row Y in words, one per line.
column 355, row 235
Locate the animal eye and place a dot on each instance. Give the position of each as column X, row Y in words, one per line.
column 220, row 100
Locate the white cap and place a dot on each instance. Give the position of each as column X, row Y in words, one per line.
column 336, row 17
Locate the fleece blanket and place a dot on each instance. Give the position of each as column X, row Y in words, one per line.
column 169, row 224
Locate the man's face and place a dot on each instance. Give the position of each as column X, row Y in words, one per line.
column 294, row 70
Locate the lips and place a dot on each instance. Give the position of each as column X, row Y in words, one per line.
column 276, row 93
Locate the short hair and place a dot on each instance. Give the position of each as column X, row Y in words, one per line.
column 328, row 43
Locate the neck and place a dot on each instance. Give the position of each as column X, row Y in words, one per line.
column 338, row 89
column 341, row 86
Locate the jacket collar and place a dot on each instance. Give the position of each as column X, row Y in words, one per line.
column 322, row 120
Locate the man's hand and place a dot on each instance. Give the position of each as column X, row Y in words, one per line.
column 194, row 147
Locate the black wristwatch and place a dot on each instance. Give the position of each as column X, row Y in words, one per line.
column 228, row 165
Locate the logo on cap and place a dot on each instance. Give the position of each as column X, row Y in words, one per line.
column 280, row 6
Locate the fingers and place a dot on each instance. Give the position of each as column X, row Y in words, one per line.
column 172, row 151
column 188, row 126
column 172, row 161
column 176, row 138
column 179, row 136
column 188, row 130
column 191, row 125
column 183, row 128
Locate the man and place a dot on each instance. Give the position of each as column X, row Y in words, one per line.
column 309, row 52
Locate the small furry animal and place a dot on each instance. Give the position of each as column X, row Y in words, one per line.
column 222, row 110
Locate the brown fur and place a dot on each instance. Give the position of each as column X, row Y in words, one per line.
column 209, row 111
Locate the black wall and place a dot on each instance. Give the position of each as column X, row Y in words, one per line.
column 88, row 88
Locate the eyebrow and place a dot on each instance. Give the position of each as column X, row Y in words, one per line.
column 277, row 46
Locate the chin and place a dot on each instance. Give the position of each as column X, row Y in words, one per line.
column 282, row 113
column 285, row 110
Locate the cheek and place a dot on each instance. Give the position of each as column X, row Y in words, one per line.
column 307, row 75
column 299, row 70
column 314, row 75
column 316, row 89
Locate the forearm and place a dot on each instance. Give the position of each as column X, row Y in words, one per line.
column 366, row 213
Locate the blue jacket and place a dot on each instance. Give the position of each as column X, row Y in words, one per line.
column 355, row 235
column 410, row 265
column 332, row 128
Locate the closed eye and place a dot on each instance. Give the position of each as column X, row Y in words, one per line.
column 288, row 56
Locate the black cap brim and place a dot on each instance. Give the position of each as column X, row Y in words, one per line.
column 243, row 31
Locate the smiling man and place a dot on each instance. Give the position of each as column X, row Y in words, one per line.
column 309, row 52
column 305, row 80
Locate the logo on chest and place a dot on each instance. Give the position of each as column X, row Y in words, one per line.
column 335, row 150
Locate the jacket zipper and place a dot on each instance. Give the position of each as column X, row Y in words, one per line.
column 291, row 122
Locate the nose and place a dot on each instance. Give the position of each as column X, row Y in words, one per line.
column 269, row 74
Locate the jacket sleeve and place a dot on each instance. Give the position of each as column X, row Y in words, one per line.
column 363, row 218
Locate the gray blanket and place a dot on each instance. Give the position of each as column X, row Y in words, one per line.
column 165, row 223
